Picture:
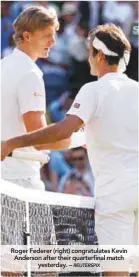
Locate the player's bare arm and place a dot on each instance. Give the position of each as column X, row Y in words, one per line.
column 36, row 120
column 52, row 134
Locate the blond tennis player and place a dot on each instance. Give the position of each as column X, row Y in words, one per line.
column 23, row 93
column 108, row 108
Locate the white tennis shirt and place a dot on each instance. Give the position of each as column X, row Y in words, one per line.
column 109, row 109
column 22, row 91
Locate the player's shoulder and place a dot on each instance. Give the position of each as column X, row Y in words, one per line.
column 33, row 73
column 7, row 58
column 90, row 86
column 132, row 85
column 30, row 76
column 133, row 82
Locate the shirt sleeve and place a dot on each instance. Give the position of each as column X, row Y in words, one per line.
column 85, row 103
column 31, row 93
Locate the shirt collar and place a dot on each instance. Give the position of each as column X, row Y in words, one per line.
column 32, row 63
column 113, row 75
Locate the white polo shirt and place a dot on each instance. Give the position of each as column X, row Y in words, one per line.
column 22, row 91
column 109, row 108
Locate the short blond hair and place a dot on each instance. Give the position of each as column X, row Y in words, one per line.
column 33, row 19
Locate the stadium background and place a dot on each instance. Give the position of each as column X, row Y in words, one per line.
column 67, row 69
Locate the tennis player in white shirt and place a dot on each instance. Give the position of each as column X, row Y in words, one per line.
column 23, row 92
column 109, row 110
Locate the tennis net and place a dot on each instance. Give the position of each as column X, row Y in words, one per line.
column 43, row 218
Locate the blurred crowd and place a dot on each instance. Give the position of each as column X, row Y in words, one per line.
column 67, row 69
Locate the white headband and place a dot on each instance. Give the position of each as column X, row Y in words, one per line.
column 99, row 45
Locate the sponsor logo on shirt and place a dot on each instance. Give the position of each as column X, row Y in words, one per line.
column 37, row 94
column 76, row 106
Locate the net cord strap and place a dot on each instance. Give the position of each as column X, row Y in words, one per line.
column 45, row 197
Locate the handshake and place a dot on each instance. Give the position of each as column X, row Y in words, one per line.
column 41, row 141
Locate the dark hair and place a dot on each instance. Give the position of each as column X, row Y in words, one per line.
column 114, row 38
